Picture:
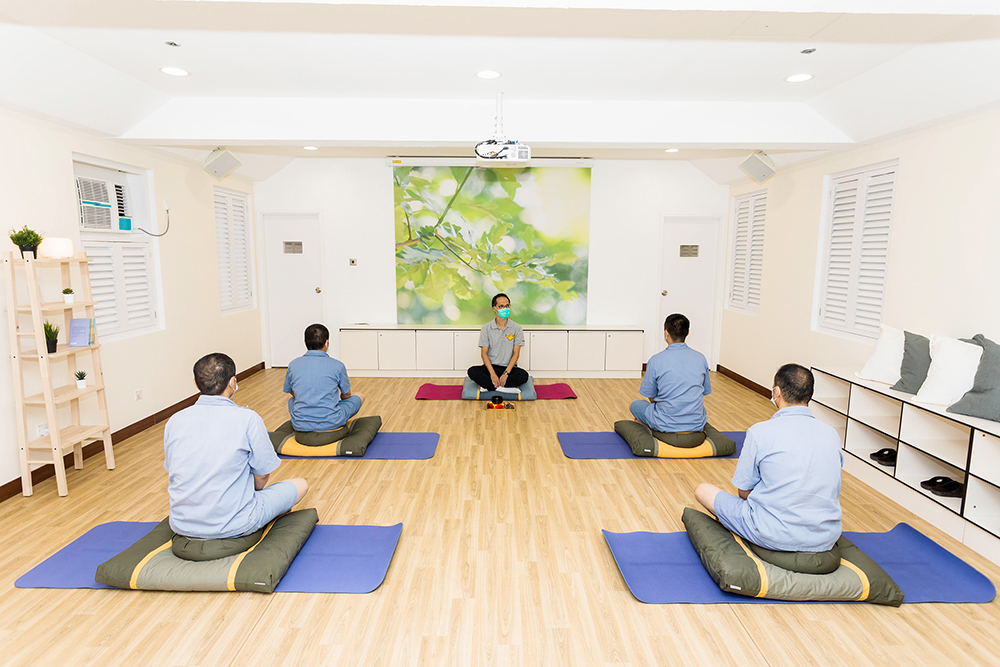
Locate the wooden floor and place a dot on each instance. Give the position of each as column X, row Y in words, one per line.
column 501, row 560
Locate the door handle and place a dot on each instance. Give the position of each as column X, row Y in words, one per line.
column 663, row 293
column 318, row 290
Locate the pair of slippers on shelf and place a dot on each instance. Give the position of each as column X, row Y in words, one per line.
column 944, row 486
column 886, row 457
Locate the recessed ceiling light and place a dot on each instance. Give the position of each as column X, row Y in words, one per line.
column 799, row 78
column 310, row 148
column 174, row 71
column 171, row 43
column 488, row 74
column 671, row 150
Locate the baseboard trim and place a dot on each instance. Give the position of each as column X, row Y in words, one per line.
column 746, row 382
column 13, row 487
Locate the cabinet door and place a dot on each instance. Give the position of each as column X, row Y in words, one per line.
column 467, row 350
column 397, row 350
column 435, row 351
column 524, row 361
column 586, row 350
column 359, row 350
column 624, row 351
column 549, row 350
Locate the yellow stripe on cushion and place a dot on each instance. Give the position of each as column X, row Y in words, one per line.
column 231, row 579
column 133, row 581
column 670, row 452
column 759, row 563
column 865, row 584
column 293, row 447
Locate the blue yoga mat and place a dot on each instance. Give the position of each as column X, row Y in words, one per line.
column 663, row 568
column 391, row 446
column 610, row 445
column 335, row 559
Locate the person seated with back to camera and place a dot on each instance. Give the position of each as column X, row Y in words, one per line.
column 788, row 480
column 675, row 385
column 500, row 342
column 321, row 401
column 218, row 460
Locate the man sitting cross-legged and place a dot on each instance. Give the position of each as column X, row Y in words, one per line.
column 218, row 458
column 500, row 342
column 321, row 401
column 675, row 385
column 788, row 478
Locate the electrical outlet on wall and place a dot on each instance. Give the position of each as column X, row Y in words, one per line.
column 43, row 429
column 138, row 394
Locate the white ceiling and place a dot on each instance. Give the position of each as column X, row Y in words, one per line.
column 580, row 78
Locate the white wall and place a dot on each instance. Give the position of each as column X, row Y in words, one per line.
column 943, row 273
column 628, row 202
column 38, row 189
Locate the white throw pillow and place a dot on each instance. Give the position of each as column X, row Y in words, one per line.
column 886, row 359
column 952, row 372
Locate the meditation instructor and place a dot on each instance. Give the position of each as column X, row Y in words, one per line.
column 500, row 342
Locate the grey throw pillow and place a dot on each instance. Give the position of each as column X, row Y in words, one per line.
column 983, row 400
column 916, row 363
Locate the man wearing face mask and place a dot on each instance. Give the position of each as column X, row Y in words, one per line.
column 500, row 342
column 788, row 476
column 218, row 459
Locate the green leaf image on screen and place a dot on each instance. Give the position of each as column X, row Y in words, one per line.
column 465, row 233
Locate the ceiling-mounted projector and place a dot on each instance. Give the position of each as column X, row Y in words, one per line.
column 499, row 151
column 220, row 163
column 758, row 167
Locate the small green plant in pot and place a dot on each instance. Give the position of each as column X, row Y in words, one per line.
column 81, row 379
column 27, row 240
column 68, row 295
column 51, row 335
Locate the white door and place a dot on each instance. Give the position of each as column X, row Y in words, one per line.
column 294, row 256
column 687, row 278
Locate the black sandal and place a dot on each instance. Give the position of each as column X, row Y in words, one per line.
column 951, row 489
column 886, row 457
column 935, row 482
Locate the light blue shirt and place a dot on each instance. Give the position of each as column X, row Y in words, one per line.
column 792, row 466
column 316, row 379
column 211, row 452
column 677, row 380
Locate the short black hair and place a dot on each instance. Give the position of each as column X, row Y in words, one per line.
column 316, row 336
column 795, row 383
column 501, row 294
column 677, row 326
column 213, row 372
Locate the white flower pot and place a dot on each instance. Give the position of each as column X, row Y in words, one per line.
column 81, row 384
column 68, row 298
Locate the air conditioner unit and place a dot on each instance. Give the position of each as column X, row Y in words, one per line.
column 104, row 206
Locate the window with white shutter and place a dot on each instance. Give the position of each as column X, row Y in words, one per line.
column 747, row 252
column 121, row 279
column 124, row 279
column 232, row 240
column 856, row 254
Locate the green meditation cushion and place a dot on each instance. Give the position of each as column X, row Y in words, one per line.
column 150, row 563
column 644, row 442
column 806, row 562
column 351, row 440
column 193, row 548
column 736, row 568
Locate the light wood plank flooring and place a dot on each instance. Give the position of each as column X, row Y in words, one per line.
column 501, row 560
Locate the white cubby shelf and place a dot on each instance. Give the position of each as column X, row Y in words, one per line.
column 929, row 442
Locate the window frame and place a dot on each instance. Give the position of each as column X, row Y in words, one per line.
column 851, row 328
column 250, row 302
column 744, row 304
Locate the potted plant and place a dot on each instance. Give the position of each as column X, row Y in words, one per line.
column 81, row 379
column 51, row 335
column 26, row 240
column 68, row 295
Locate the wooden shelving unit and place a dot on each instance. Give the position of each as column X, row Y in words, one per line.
column 28, row 353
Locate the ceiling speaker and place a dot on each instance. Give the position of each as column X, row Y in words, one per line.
column 758, row 167
column 221, row 163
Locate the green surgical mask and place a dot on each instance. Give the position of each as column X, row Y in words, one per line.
column 504, row 313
